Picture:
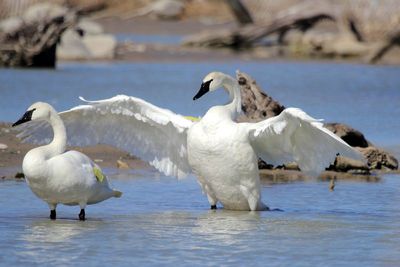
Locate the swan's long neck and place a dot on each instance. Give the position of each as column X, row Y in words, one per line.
column 58, row 145
column 232, row 86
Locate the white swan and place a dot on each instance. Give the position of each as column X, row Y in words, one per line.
column 221, row 152
column 56, row 176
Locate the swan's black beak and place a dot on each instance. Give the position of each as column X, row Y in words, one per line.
column 204, row 89
column 25, row 118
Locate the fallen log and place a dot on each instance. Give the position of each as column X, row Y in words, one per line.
column 249, row 35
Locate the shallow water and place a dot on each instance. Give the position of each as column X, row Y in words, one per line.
column 149, row 39
column 160, row 220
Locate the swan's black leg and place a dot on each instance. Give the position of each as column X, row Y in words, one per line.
column 82, row 215
column 53, row 214
column 213, row 207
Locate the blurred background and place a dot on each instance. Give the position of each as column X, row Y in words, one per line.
column 31, row 31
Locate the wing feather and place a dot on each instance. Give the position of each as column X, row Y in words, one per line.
column 154, row 134
column 295, row 136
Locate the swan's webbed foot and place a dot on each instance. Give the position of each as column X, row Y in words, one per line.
column 82, row 215
column 53, row 214
column 213, row 207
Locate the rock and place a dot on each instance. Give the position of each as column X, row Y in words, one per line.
column 351, row 136
column 11, row 25
column 3, row 146
column 31, row 40
column 87, row 43
column 262, row 165
column 379, row 159
column 122, row 165
column 90, row 27
column 71, row 47
column 168, row 9
column 256, row 104
column 19, row 175
column 39, row 12
column 343, row 164
column 161, row 9
column 291, row 166
column 101, row 46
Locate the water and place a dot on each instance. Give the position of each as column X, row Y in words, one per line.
column 149, row 39
column 160, row 220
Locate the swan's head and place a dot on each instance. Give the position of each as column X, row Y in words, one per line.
column 37, row 111
column 211, row 82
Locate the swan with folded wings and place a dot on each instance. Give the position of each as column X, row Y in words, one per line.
column 222, row 153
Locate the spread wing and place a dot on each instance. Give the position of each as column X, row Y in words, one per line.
column 295, row 136
column 154, row 134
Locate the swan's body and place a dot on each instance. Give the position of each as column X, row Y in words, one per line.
column 60, row 177
column 225, row 163
column 221, row 152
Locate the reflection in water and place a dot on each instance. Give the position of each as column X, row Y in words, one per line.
column 225, row 226
column 46, row 241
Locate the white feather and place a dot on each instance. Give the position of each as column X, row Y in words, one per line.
column 154, row 134
column 295, row 136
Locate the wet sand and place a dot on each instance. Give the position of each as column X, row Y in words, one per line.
column 11, row 157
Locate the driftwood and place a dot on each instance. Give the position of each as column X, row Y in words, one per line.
column 250, row 35
column 257, row 106
column 393, row 40
column 342, row 38
column 240, row 11
column 33, row 43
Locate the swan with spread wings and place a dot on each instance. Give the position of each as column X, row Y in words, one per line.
column 221, row 152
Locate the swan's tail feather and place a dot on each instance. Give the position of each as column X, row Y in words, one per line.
column 117, row 193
